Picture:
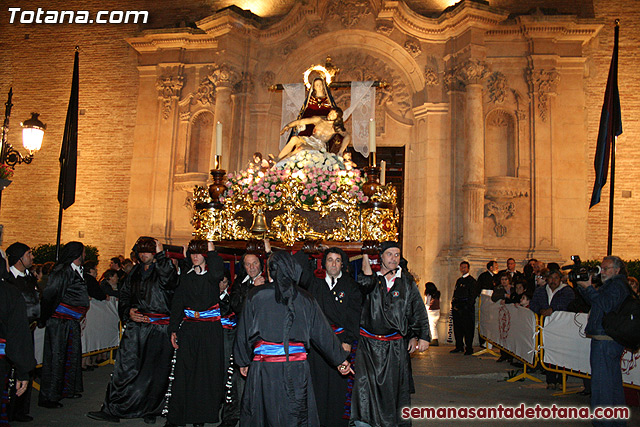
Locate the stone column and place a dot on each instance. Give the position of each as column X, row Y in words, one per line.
column 224, row 77
column 471, row 74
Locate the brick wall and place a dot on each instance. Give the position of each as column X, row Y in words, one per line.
column 627, row 210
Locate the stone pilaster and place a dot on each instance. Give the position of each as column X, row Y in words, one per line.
column 224, row 77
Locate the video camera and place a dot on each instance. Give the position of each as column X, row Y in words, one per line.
column 581, row 273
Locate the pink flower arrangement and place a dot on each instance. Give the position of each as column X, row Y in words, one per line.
column 316, row 184
column 6, row 172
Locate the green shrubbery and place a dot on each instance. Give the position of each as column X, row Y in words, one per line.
column 47, row 252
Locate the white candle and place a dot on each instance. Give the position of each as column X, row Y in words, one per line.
column 218, row 139
column 372, row 136
column 383, row 172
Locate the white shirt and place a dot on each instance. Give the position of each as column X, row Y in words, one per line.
column 17, row 273
column 391, row 280
column 78, row 268
column 328, row 280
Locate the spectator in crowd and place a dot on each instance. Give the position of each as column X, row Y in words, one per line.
column 511, row 270
column 36, row 271
column 340, row 301
column 432, row 304
column 127, row 265
column 525, row 300
column 65, row 302
column 93, row 287
column 537, row 277
column 116, row 264
column 489, row 279
column 393, row 319
column 520, row 288
column 197, row 387
column 17, row 349
column 463, row 308
column 606, row 375
column 279, row 323
column 555, row 296
column 144, row 307
column 504, row 292
column 21, row 261
column 109, row 283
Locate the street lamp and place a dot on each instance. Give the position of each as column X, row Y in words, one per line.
column 32, row 135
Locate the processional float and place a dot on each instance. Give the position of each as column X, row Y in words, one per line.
column 313, row 196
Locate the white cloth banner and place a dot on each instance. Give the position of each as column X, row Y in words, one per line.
column 99, row 329
column 510, row 326
column 567, row 346
column 292, row 102
column 363, row 107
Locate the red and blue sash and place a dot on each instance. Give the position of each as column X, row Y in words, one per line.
column 212, row 314
column 391, row 337
column 70, row 312
column 337, row 330
column 265, row 351
column 229, row 322
column 157, row 318
column 3, row 345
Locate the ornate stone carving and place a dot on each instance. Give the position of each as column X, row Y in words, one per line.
column 384, row 28
column 500, row 213
column 413, row 47
column 315, row 31
column 168, row 88
column 267, row 78
column 206, row 93
column 497, row 86
column 472, row 71
column 361, row 67
column 349, row 11
column 430, row 76
column 224, row 75
column 543, row 83
column 500, row 188
column 185, row 116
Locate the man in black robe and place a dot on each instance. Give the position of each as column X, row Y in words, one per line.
column 16, row 343
column 248, row 277
column 340, row 300
column 141, row 372
column 20, row 261
column 64, row 305
column 197, row 387
column 277, row 327
column 393, row 322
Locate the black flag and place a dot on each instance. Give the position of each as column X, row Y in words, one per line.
column 610, row 125
column 69, row 151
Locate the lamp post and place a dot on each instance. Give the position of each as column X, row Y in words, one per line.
column 32, row 135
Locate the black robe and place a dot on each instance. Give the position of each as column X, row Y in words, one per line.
column 383, row 374
column 281, row 393
column 341, row 306
column 28, row 287
column 14, row 329
column 198, row 385
column 141, row 372
column 62, row 354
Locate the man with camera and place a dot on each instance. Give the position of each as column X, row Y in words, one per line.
column 606, row 375
column 141, row 372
